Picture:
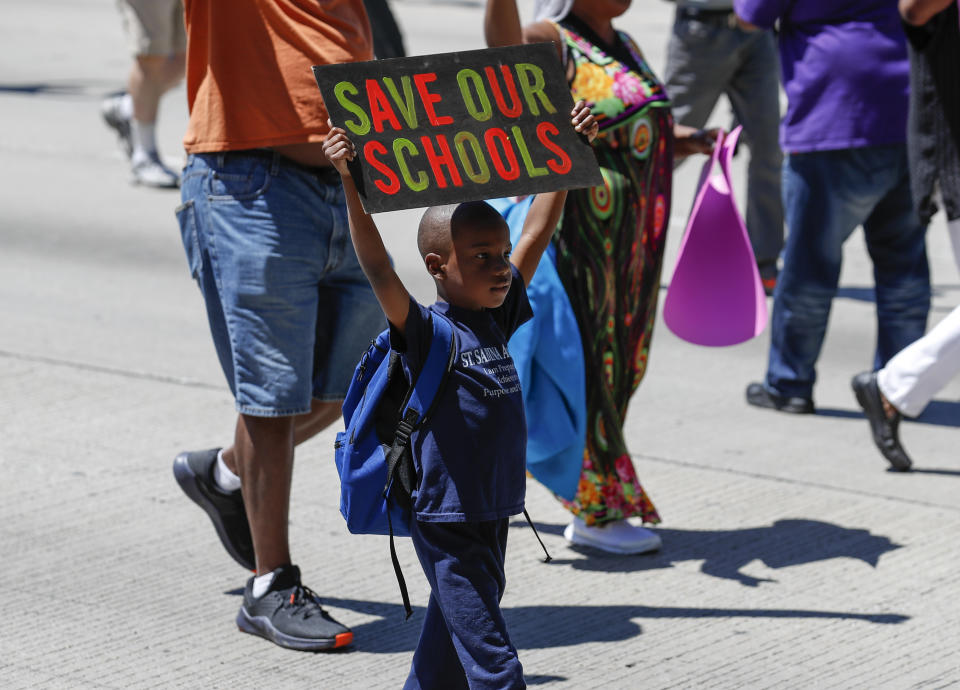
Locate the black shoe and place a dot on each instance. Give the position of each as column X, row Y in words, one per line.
column 759, row 396
column 768, row 276
column 194, row 473
column 884, row 428
column 290, row 615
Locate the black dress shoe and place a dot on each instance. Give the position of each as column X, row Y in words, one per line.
column 884, row 428
column 759, row 396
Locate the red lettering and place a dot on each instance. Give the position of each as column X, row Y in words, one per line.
column 429, row 99
column 438, row 161
column 370, row 152
column 380, row 109
column 517, row 107
column 490, row 139
column 561, row 167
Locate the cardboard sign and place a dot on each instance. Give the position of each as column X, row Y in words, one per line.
column 441, row 129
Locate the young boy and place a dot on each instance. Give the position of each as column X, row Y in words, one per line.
column 471, row 457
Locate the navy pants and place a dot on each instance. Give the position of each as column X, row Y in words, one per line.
column 464, row 641
column 826, row 195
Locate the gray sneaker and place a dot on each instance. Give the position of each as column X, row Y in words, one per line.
column 111, row 109
column 151, row 172
column 194, row 473
column 290, row 615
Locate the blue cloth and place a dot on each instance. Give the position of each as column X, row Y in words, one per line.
column 269, row 246
column 470, row 456
column 826, row 195
column 464, row 641
column 548, row 354
column 845, row 71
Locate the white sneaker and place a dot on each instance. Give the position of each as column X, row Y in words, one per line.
column 619, row 536
column 151, row 172
column 112, row 110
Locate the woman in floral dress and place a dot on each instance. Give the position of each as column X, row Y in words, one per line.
column 610, row 245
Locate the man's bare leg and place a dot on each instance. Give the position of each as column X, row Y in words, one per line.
column 262, row 456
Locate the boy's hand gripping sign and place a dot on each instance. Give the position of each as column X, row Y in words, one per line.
column 440, row 129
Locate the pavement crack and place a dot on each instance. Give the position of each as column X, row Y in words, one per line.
column 112, row 371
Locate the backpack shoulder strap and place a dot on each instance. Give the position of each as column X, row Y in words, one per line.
column 424, row 393
column 433, row 374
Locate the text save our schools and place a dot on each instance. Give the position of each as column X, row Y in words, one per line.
column 438, row 152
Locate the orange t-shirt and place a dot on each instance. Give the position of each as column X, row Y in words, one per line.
column 249, row 77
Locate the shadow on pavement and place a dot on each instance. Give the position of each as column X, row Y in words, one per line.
column 542, row 627
column 938, row 413
column 725, row 552
column 929, row 470
column 64, row 88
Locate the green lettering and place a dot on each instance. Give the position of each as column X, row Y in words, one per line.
column 363, row 126
column 532, row 170
column 468, row 75
column 481, row 176
column 406, row 105
column 526, row 71
column 400, row 144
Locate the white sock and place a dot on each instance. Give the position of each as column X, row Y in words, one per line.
column 143, row 135
column 261, row 583
column 224, row 478
column 126, row 107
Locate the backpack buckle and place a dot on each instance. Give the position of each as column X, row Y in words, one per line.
column 406, row 425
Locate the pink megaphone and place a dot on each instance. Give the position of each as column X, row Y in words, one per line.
column 715, row 297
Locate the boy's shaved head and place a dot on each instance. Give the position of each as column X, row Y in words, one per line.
column 434, row 235
column 440, row 224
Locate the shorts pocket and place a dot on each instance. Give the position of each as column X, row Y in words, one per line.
column 186, row 217
column 240, row 183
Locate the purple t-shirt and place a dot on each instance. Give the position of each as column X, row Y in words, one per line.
column 845, row 71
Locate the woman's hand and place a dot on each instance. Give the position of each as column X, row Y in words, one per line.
column 338, row 149
column 583, row 121
column 690, row 140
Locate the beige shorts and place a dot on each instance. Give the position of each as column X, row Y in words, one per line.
column 154, row 27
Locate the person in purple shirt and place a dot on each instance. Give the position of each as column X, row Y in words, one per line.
column 846, row 75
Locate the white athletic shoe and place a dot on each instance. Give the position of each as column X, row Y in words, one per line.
column 112, row 110
column 151, row 172
column 619, row 536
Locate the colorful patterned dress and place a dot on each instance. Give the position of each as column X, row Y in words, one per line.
column 610, row 247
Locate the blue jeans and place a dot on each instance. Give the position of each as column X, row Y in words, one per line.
column 708, row 58
column 826, row 195
column 289, row 308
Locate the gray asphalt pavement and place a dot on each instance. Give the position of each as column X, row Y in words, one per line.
column 791, row 558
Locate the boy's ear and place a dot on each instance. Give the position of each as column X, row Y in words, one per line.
column 434, row 264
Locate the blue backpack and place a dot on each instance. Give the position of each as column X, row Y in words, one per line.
column 381, row 411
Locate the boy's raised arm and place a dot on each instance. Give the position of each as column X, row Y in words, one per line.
column 546, row 209
column 374, row 260
column 501, row 24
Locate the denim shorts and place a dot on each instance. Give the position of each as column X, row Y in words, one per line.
column 290, row 310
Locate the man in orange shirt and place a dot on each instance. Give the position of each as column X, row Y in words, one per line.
column 265, row 231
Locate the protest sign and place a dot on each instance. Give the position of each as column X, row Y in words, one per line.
column 452, row 127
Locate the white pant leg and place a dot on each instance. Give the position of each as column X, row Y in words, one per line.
column 916, row 373
column 953, row 227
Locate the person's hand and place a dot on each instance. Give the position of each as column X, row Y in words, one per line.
column 338, row 149
column 583, row 121
column 690, row 140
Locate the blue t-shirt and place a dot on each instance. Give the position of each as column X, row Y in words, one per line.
column 471, row 457
column 845, row 71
